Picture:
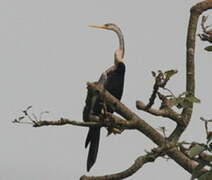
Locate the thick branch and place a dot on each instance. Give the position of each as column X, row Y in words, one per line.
column 199, row 8
column 125, row 112
column 120, row 108
column 196, row 11
column 139, row 162
column 143, row 127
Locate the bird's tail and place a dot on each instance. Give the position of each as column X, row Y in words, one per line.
column 92, row 139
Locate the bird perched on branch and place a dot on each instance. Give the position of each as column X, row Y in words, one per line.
column 113, row 81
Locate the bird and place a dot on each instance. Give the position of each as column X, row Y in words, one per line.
column 113, row 81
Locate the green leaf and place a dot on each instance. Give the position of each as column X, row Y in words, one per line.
column 208, row 48
column 193, row 99
column 197, row 149
column 208, row 158
column 181, row 103
column 206, row 176
column 209, row 136
column 185, row 102
column 170, row 73
column 196, row 170
column 179, row 100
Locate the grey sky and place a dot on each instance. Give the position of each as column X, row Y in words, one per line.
column 48, row 54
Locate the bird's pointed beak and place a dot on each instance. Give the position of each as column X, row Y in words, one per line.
column 100, row 26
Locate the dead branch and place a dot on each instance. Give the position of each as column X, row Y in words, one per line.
column 117, row 122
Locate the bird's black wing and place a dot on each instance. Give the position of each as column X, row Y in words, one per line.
column 115, row 82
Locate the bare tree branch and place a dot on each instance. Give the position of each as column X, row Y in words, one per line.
column 64, row 121
column 164, row 112
column 139, row 162
column 111, row 120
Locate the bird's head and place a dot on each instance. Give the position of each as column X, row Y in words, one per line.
column 108, row 26
column 119, row 53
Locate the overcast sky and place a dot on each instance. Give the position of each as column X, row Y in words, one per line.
column 48, row 53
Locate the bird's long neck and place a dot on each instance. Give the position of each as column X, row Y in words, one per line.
column 119, row 53
column 121, row 41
